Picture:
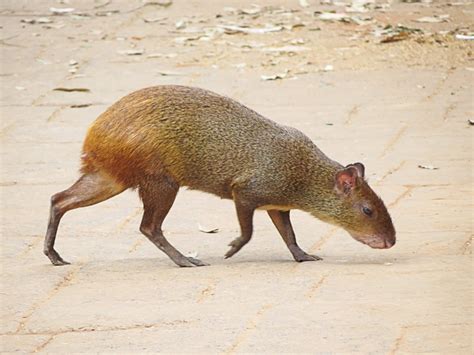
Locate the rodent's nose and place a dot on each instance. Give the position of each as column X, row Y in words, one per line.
column 390, row 243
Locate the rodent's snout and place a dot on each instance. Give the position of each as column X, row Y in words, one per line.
column 376, row 242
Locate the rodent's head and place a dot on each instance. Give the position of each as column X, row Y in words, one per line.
column 360, row 211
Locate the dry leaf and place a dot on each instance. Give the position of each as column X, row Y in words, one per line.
column 232, row 29
column 275, row 76
column 468, row 37
column 427, row 167
column 157, row 19
column 61, row 11
column 395, row 37
column 206, row 229
column 169, row 73
column 71, row 89
column 433, row 19
column 132, row 52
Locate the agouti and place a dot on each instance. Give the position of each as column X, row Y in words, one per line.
column 161, row 138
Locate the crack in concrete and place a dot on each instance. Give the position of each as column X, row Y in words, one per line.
column 44, row 344
column 30, row 246
column 408, row 190
column 393, row 141
column 404, row 330
column 207, row 292
column 323, row 240
column 55, row 113
column 251, row 325
column 64, row 282
column 353, row 112
column 440, row 84
column 448, row 110
column 316, row 286
column 399, row 340
column 391, row 171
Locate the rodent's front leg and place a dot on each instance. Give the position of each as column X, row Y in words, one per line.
column 281, row 220
column 245, row 213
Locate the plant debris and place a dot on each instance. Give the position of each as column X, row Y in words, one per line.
column 61, row 11
column 468, row 37
column 391, row 34
column 72, row 89
column 206, row 229
column 39, row 20
column 275, row 76
column 169, row 73
column 132, row 52
column 433, row 19
column 233, row 29
column 80, row 105
column 427, row 167
column 156, row 19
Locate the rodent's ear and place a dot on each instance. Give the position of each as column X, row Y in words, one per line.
column 360, row 169
column 346, row 179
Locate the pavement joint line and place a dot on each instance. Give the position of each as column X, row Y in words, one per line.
column 322, row 240
column 44, row 344
column 31, row 246
column 448, row 111
column 252, row 324
column 405, row 328
column 316, row 286
column 398, row 342
column 64, row 282
column 440, row 84
column 408, row 190
column 208, row 291
column 55, row 113
column 391, row 171
column 353, row 112
column 127, row 219
column 393, row 141
column 90, row 329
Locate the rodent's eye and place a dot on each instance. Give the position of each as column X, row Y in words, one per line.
column 367, row 211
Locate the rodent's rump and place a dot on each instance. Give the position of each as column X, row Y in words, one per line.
column 162, row 138
column 203, row 140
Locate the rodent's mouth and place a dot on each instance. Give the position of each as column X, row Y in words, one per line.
column 375, row 242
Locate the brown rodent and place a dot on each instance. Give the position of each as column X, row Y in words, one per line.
column 161, row 138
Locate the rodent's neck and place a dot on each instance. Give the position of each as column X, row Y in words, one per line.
column 320, row 199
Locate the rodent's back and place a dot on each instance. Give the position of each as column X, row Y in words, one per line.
column 203, row 140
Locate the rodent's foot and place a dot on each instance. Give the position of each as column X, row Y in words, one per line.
column 235, row 245
column 55, row 258
column 197, row 262
column 307, row 257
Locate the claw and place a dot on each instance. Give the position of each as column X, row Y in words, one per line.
column 55, row 258
column 197, row 262
column 307, row 257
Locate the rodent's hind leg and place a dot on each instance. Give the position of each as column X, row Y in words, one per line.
column 281, row 220
column 90, row 189
column 158, row 197
column 245, row 216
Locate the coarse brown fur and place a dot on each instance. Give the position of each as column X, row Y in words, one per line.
column 161, row 138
